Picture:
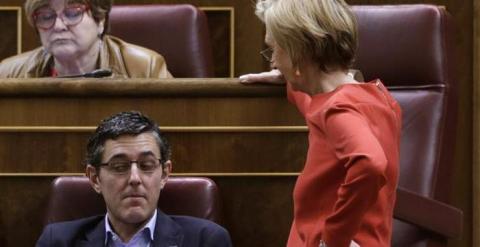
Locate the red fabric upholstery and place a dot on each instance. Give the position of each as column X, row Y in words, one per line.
column 178, row 32
column 74, row 198
column 409, row 47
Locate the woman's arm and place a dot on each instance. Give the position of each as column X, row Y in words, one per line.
column 365, row 163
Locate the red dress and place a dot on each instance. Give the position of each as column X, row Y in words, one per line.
column 346, row 190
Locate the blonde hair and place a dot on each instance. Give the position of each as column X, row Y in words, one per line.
column 324, row 31
column 100, row 9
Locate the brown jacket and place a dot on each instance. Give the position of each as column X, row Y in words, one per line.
column 124, row 59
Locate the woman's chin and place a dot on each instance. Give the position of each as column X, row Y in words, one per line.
column 61, row 53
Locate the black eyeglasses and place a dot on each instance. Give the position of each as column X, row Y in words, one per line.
column 122, row 166
column 71, row 15
column 267, row 54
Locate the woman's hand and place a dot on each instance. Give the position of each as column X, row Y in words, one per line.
column 273, row 77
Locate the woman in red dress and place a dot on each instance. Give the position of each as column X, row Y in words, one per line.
column 345, row 194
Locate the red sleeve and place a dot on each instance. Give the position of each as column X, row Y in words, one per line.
column 365, row 163
column 300, row 99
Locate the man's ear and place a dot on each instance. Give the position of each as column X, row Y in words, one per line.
column 93, row 178
column 167, row 169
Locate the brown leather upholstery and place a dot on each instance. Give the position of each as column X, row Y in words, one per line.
column 74, row 198
column 409, row 47
column 178, row 32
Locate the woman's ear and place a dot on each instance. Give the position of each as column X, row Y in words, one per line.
column 93, row 177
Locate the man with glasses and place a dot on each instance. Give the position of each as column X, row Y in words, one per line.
column 75, row 43
column 128, row 163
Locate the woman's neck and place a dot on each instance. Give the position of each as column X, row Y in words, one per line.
column 77, row 65
column 322, row 82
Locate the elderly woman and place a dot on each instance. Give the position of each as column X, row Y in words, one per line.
column 346, row 192
column 72, row 33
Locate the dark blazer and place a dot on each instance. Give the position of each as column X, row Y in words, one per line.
column 170, row 231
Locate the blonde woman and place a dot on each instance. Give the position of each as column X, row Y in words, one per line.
column 346, row 192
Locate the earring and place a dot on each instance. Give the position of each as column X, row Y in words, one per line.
column 297, row 72
column 101, row 29
column 100, row 33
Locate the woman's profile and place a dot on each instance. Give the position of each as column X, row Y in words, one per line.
column 345, row 194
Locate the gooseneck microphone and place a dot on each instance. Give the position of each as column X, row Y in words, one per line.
column 99, row 73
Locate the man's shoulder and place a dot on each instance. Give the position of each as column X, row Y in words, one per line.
column 202, row 232
column 79, row 223
column 194, row 222
column 69, row 233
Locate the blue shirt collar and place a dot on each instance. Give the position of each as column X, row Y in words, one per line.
column 149, row 227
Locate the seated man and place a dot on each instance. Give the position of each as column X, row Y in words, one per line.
column 128, row 163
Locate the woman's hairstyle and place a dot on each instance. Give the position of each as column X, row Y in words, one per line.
column 323, row 31
column 100, row 9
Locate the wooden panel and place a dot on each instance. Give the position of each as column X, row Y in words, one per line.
column 23, row 203
column 10, row 24
column 222, row 30
column 258, row 210
column 476, row 125
column 211, row 133
column 181, row 111
column 203, row 152
column 200, row 102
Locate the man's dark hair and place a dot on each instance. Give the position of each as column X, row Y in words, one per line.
column 120, row 124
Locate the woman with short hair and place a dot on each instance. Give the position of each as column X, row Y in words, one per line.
column 74, row 42
column 345, row 194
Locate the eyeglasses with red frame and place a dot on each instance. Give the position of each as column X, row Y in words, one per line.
column 45, row 18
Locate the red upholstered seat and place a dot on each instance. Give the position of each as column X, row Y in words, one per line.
column 179, row 32
column 409, row 47
column 73, row 198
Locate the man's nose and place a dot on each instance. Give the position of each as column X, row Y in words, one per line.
column 134, row 174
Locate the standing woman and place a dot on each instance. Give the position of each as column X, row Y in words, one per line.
column 74, row 42
column 345, row 194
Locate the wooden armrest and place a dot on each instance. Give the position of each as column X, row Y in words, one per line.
column 429, row 214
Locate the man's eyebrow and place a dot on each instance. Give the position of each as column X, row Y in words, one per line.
column 147, row 153
column 125, row 156
column 118, row 156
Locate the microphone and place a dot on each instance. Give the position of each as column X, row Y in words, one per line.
column 99, row 73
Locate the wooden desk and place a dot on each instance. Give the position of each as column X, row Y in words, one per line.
column 247, row 138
